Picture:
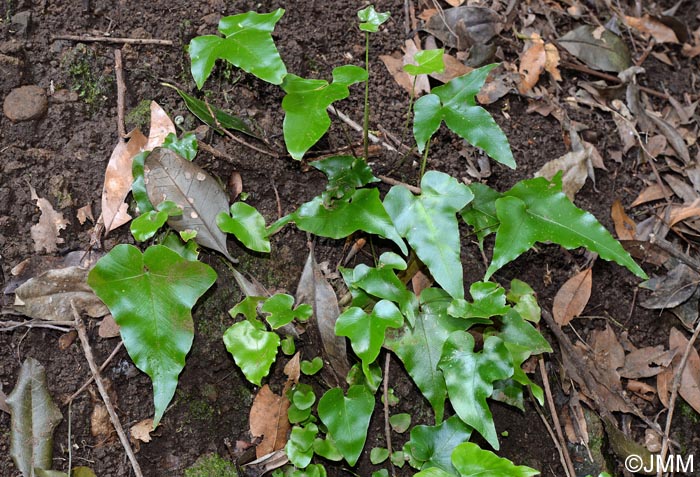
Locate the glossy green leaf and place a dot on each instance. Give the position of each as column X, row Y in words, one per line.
column 188, row 250
column 138, row 187
column 146, row 225
column 378, row 455
column 247, row 307
column 371, row 19
column 515, row 330
column 489, row 300
column 220, row 119
column 288, row 347
column 253, row 349
column 432, row 446
column 366, row 331
column 299, row 447
column 536, row 210
column 151, row 296
column 429, row 223
column 400, row 422
column 347, row 419
column 281, row 310
column 306, row 119
column 472, row 461
column 427, row 62
column 524, row 300
column 480, row 213
column 363, row 211
column 434, row 472
column 327, row 449
column 455, row 104
column 419, row 346
column 509, row 391
column 296, row 415
column 303, row 396
column 345, row 174
column 186, row 146
column 470, row 375
column 312, row 367
column 247, row 44
column 34, row 417
column 247, row 225
column 381, row 282
column 380, row 473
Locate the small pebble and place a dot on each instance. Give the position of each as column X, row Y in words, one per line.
column 25, row 103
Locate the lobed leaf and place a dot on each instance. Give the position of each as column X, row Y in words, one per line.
column 345, row 174
column 371, row 19
column 186, row 146
column 151, row 296
column 489, row 300
column 247, row 225
column 427, row 62
column 432, row 446
column 429, row 224
column 247, row 44
column 252, row 348
column 455, row 104
column 281, row 310
column 480, row 213
column 472, row 461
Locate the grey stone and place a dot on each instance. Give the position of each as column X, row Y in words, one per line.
column 25, row 103
column 21, row 22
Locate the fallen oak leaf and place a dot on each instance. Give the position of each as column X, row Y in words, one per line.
column 572, row 297
column 46, row 233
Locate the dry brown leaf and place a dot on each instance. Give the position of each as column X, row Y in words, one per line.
column 268, row 418
column 161, row 126
column 551, row 64
column 46, row 233
column 141, row 431
column 572, row 297
column 690, row 379
column 643, row 390
column 85, row 213
column 293, row 371
column 646, row 362
column 681, row 213
column 234, row 185
column 420, row 281
column 67, row 339
column 395, row 67
column 664, row 381
column 532, row 63
column 625, row 228
column 649, row 194
column 455, row 3
column 653, row 27
column 453, row 69
column 108, row 327
column 118, row 179
column 100, row 425
column 609, row 356
column 681, row 188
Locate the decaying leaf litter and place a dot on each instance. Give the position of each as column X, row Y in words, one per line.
column 657, row 134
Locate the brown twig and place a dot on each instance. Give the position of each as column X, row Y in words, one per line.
column 52, row 325
column 279, row 202
column 109, row 39
column 387, row 426
column 346, row 119
column 689, row 348
column 216, row 153
column 82, row 334
column 563, row 450
column 92, row 378
column 236, row 138
column 611, row 78
column 121, row 90
column 390, row 181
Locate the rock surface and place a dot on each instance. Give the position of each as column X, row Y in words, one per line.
column 25, row 103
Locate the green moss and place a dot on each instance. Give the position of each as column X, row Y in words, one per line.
column 92, row 86
column 688, row 412
column 139, row 116
column 211, row 465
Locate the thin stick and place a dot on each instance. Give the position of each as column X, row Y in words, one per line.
column 52, row 325
column 674, row 393
column 108, row 39
column 569, row 466
column 236, row 138
column 390, row 181
column 216, row 153
column 358, row 128
column 667, row 247
column 611, row 78
column 550, row 431
column 102, row 368
column 279, row 202
column 387, row 426
column 80, row 326
column 121, row 90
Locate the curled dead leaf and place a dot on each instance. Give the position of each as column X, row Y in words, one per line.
column 141, row 431
column 625, row 228
column 532, row 63
column 46, row 233
column 572, row 297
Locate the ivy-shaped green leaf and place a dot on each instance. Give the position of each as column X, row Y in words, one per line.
column 489, row 300
column 363, row 211
column 345, row 174
column 299, row 447
column 247, row 44
column 138, row 187
column 151, row 296
column 432, row 446
column 303, row 396
column 419, row 346
column 188, row 250
column 480, row 213
column 455, row 104
column 371, row 19
column 427, row 62
column 306, row 119
column 326, row 448
column 523, row 297
column 282, row 311
column 253, row 349
column 247, row 225
column 347, row 419
column 312, row 367
column 247, row 307
column 429, row 223
column 470, row 375
column 366, row 331
column 514, row 329
column 536, row 210
column 472, row 461
column 434, row 472
column 146, row 225
column 186, row 146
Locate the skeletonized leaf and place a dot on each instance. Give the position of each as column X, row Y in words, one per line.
column 34, row 418
column 169, row 176
column 572, row 297
column 670, row 290
column 598, row 47
column 118, row 179
column 46, row 233
column 268, row 419
column 151, row 296
column 49, row 295
column 314, row 290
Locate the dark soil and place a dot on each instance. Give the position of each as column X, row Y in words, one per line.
column 64, row 154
